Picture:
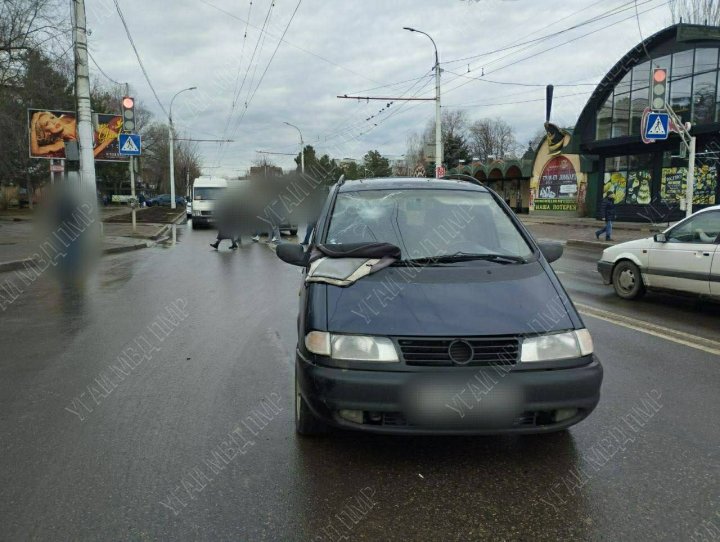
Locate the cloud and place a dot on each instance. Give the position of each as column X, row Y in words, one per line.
column 187, row 42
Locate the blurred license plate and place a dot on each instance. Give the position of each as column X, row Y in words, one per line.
column 462, row 401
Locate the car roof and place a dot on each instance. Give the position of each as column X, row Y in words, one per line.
column 405, row 183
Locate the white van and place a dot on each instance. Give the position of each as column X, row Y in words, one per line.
column 206, row 191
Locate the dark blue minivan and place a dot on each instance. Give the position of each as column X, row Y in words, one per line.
column 427, row 307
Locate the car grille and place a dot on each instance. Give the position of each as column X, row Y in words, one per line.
column 466, row 351
column 205, row 213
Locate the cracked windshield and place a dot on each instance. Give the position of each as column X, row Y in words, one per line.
column 301, row 270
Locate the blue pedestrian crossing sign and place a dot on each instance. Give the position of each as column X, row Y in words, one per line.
column 658, row 126
column 129, row 144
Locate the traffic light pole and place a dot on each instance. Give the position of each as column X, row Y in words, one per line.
column 658, row 102
column 132, row 192
column 690, row 143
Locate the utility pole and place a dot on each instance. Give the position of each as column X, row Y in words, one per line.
column 172, row 149
column 438, row 119
column 82, row 93
column 302, row 148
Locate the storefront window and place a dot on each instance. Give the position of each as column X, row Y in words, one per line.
column 621, row 115
column 639, row 180
column 705, row 60
column 704, row 98
column 641, row 76
column 615, row 180
column 681, row 84
column 639, row 96
column 693, row 88
column 673, row 180
column 604, row 119
column 625, row 85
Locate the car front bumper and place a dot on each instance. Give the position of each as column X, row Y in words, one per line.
column 605, row 270
column 458, row 400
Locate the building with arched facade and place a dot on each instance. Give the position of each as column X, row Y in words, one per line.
column 648, row 180
column 605, row 152
column 509, row 178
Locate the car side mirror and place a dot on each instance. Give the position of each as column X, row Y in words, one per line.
column 292, row 253
column 551, row 251
column 660, row 238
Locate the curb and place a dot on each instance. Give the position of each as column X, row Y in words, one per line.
column 644, row 229
column 161, row 233
column 586, row 243
column 19, row 264
column 15, row 264
column 128, row 248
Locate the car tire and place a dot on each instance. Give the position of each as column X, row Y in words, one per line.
column 293, row 231
column 306, row 423
column 627, row 280
column 195, row 226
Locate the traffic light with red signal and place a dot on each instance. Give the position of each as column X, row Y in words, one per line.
column 658, row 89
column 128, row 114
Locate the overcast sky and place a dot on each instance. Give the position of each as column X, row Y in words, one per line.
column 334, row 48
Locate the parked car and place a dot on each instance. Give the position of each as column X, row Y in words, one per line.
column 684, row 258
column 164, row 201
column 463, row 328
column 188, row 208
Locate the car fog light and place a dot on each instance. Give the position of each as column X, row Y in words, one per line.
column 355, row 416
column 563, row 414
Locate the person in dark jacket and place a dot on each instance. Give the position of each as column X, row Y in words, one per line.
column 607, row 213
column 227, row 222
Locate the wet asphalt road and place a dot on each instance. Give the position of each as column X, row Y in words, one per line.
column 222, row 353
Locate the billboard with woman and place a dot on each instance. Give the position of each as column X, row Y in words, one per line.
column 49, row 130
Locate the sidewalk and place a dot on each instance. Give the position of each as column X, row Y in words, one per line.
column 20, row 239
column 581, row 231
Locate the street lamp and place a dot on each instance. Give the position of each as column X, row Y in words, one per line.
column 438, row 126
column 302, row 147
column 172, row 150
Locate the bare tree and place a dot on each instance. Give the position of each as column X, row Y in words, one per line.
column 27, row 25
column 695, row 11
column 492, row 138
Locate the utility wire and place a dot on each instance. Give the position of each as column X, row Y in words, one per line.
column 239, row 91
column 267, row 67
column 137, row 54
column 642, row 40
column 101, row 70
column 485, row 80
column 233, row 16
column 558, row 45
column 609, row 13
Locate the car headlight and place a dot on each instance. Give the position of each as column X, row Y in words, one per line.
column 571, row 344
column 351, row 347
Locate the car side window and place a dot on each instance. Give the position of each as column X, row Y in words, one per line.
column 703, row 228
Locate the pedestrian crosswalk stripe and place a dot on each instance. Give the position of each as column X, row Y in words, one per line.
column 129, row 146
column 658, row 128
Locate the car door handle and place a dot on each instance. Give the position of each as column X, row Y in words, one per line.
column 706, row 254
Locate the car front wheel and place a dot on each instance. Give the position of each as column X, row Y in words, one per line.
column 627, row 280
column 306, row 423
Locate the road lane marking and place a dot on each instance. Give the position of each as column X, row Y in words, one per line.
column 673, row 335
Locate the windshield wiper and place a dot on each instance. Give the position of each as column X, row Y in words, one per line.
column 463, row 257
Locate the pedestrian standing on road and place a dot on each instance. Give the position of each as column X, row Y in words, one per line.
column 226, row 223
column 607, row 213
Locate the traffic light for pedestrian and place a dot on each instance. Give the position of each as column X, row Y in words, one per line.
column 128, row 114
column 658, row 89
